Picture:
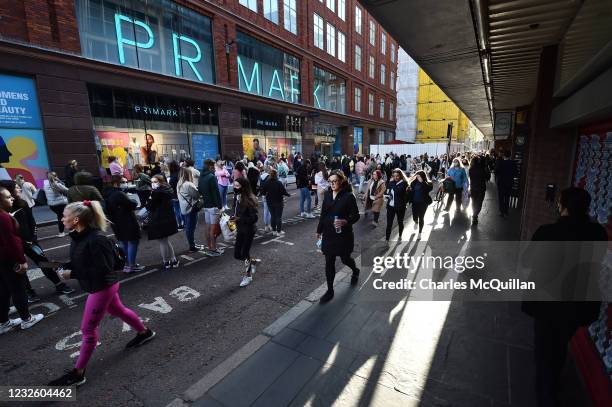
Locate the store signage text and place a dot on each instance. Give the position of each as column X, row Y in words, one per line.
column 155, row 111
column 181, row 45
column 267, row 123
column 18, row 104
column 253, row 83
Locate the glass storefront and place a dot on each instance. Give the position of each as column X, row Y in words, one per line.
column 327, row 140
column 146, row 129
column 329, row 91
column 358, row 140
column 152, row 35
column 270, row 134
column 267, row 71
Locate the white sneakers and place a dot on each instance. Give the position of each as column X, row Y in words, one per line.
column 62, row 234
column 246, row 280
column 309, row 215
column 34, row 319
column 267, row 228
column 8, row 325
column 254, row 263
column 419, row 236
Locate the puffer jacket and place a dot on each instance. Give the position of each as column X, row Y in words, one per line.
column 55, row 195
column 93, row 276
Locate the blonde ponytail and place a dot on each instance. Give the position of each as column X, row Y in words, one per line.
column 90, row 214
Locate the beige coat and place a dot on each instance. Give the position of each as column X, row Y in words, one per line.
column 377, row 204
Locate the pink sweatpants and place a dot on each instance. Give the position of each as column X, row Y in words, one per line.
column 97, row 305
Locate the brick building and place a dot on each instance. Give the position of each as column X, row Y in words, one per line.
column 90, row 78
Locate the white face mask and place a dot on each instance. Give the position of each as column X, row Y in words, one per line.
column 123, row 185
column 155, row 185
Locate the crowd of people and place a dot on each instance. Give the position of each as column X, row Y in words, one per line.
column 162, row 200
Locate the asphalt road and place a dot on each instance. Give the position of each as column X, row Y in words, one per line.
column 200, row 315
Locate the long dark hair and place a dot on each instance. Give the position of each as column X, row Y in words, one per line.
column 246, row 196
column 323, row 170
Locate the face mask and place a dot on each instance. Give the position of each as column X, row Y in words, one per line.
column 237, row 190
column 123, row 185
column 155, row 186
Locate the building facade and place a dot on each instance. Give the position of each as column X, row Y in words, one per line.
column 146, row 79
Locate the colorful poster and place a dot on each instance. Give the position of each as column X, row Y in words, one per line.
column 115, row 144
column 23, row 152
column 205, row 146
column 18, row 103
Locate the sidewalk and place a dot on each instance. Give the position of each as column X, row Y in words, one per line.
column 407, row 353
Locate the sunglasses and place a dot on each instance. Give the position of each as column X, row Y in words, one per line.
column 334, row 181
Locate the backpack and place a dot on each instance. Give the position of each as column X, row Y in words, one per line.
column 449, row 185
column 119, row 256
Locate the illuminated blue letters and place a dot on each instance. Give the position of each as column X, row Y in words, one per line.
column 277, row 88
column 317, row 97
column 254, row 75
column 293, row 90
column 190, row 60
column 121, row 40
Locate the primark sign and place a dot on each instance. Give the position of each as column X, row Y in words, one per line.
column 154, row 35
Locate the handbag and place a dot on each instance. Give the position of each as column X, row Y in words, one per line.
column 225, row 224
column 197, row 206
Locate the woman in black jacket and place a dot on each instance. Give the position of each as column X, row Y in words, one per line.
column 274, row 191
column 338, row 214
column 87, row 222
column 27, row 230
column 397, row 198
column 418, row 196
column 245, row 216
column 162, row 222
column 479, row 175
column 120, row 210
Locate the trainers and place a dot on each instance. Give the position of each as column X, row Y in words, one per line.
column 303, row 214
column 254, row 263
column 141, row 338
column 247, row 265
column 32, row 297
column 213, row 253
column 8, row 325
column 327, row 297
column 29, row 323
column 246, row 280
column 62, row 288
column 175, row 263
column 200, row 246
column 418, row 237
column 71, row 378
column 137, row 268
column 281, row 233
column 63, row 234
column 310, row 215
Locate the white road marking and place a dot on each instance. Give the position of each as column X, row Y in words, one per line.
column 277, row 240
column 127, row 328
column 158, row 305
column 184, row 256
column 34, row 274
column 184, row 293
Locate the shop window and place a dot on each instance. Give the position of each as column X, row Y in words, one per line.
column 329, row 91
column 290, row 11
column 270, row 8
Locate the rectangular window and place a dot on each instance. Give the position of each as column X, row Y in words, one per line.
column 174, row 41
column 342, row 9
column 319, row 40
column 383, row 73
column 290, row 16
column 391, row 111
column 381, row 137
column 393, row 52
column 250, row 4
column 357, row 58
column 371, row 104
column 372, row 33
column 358, row 99
column 267, row 71
column 392, row 80
column 371, row 66
column 331, row 4
column 383, row 43
column 331, row 39
column 382, row 108
column 329, row 91
column 357, row 20
column 271, row 10
column 341, row 47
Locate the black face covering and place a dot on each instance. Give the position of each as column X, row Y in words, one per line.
column 238, row 191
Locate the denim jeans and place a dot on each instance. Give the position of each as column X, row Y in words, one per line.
column 131, row 248
column 266, row 213
column 361, row 183
column 177, row 212
column 305, row 196
column 223, row 193
column 191, row 221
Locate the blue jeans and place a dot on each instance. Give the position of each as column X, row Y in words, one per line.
column 130, row 248
column 266, row 213
column 305, row 196
column 191, row 221
column 177, row 212
column 223, row 192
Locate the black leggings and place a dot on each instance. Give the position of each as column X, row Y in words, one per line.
column 12, row 285
column 59, row 212
column 418, row 214
column 458, row 194
column 330, row 268
column 37, row 258
column 392, row 213
column 244, row 240
column 477, row 198
column 276, row 215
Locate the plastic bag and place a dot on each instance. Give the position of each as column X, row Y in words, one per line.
column 226, row 230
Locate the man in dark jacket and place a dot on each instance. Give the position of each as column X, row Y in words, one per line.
column 207, row 186
column 302, row 181
column 505, row 170
column 556, row 322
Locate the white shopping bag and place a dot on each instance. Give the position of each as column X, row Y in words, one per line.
column 226, row 231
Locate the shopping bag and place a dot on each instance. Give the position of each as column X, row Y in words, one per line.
column 226, row 230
